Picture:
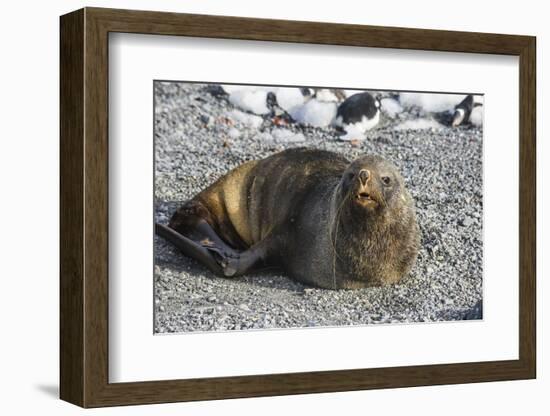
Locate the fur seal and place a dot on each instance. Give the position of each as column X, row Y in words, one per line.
column 323, row 220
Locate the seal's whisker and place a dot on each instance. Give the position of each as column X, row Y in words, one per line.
column 336, row 223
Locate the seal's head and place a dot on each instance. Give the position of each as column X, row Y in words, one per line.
column 374, row 234
column 371, row 183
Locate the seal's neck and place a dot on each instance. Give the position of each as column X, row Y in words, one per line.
column 358, row 238
column 353, row 220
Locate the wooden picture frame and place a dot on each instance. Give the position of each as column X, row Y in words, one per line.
column 84, row 207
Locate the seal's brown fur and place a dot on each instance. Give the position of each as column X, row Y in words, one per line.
column 323, row 220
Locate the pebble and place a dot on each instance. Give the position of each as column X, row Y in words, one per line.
column 466, row 222
column 234, row 133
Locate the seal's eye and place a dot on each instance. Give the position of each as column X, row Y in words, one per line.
column 386, row 180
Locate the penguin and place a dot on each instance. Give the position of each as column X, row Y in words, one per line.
column 359, row 112
column 307, row 93
column 329, row 94
column 323, row 94
column 476, row 117
column 463, row 111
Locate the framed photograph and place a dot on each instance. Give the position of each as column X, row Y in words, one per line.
column 255, row 207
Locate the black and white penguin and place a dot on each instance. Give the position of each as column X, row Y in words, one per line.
column 307, row 92
column 359, row 112
column 329, row 94
column 463, row 111
column 324, row 94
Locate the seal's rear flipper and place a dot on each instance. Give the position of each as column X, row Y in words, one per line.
column 189, row 248
column 247, row 260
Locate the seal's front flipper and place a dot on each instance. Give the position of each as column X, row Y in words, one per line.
column 190, row 248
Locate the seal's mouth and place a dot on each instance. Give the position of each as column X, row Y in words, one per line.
column 366, row 199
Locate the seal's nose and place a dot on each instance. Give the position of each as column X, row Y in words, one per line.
column 364, row 176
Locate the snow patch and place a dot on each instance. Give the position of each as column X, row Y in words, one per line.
column 478, row 99
column 230, row 88
column 263, row 137
column 315, row 113
column 430, row 102
column 288, row 98
column 234, row 133
column 251, row 100
column 287, row 136
column 391, row 107
column 248, row 120
column 476, row 117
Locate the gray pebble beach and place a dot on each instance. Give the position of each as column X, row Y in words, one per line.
column 199, row 136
